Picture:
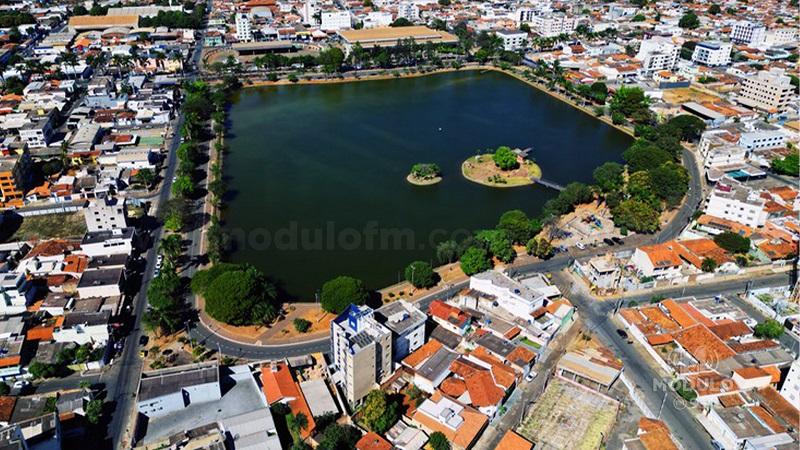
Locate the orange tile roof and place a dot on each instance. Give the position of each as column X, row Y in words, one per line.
column 103, row 21
column 482, row 389
column 453, row 387
column 373, row 441
column 503, row 374
column 279, row 386
column 466, row 434
column 725, row 224
column 10, row 361
column 662, row 255
column 660, row 339
column 767, row 419
column 752, row 346
column 775, row 372
column 521, row 356
column 703, row 345
column 731, row 400
column 421, row 354
column 710, row 383
column 513, row 441
column 678, row 314
column 694, row 251
column 656, row 315
column 40, row 333
column 448, row 313
column 654, row 435
column 75, row 263
column 7, row 407
column 778, row 250
column 749, row 373
column 695, row 314
column 52, row 247
column 730, row 330
column 779, row 406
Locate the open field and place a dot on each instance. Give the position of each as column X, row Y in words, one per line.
column 482, row 169
column 49, row 226
column 569, row 416
column 683, row 95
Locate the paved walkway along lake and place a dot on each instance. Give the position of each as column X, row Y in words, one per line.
column 318, row 172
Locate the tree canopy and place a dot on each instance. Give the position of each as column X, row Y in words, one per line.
column 770, row 329
column 420, row 274
column 380, row 412
column 608, row 176
column 636, row 215
column 239, row 294
column 733, row 242
column 518, row 226
column 475, row 260
column 338, row 293
column 631, row 102
column 505, row 159
column 689, row 20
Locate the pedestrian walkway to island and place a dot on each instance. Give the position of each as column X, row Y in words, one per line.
column 547, row 183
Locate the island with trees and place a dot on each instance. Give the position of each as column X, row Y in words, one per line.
column 503, row 167
column 424, row 174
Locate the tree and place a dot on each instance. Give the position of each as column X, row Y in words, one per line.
column 174, row 214
column 420, row 274
column 540, row 248
column 769, row 329
column 379, row 412
column 4, row 388
column 338, row 293
column 146, row 177
column 788, row 165
column 516, row 225
column 475, row 260
column 629, row 101
column 733, row 242
column 608, row 176
column 714, row 9
column 645, row 155
column 301, row 325
column 241, row 296
column 691, row 127
column 689, row 20
column 505, row 159
column 331, row 59
column 636, row 215
column 171, row 247
column 339, row 437
column 447, row 252
column 498, row 244
column 670, row 182
column 708, row 265
column 94, row 411
column 617, row 118
column 401, row 22
column 183, row 186
column 438, row 441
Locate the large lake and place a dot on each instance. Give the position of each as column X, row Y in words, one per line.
column 317, row 172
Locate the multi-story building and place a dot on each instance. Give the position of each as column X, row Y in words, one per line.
column 408, row 10
column 763, row 138
column 553, row 25
column 244, row 32
column 516, row 298
column 780, row 36
column 712, row 53
column 748, row 33
column 361, row 351
column 733, row 201
column 657, row 53
column 513, row 40
column 335, row 20
column 107, row 214
column 15, row 178
column 15, row 293
column 770, row 91
column 39, row 133
column 407, row 324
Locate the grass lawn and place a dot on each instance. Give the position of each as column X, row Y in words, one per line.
column 482, row 169
column 49, row 226
column 529, row 342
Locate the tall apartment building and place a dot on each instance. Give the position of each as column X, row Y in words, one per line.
column 408, row 10
column 244, row 33
column 361, row 350
column 407, row 324
column 780, row 36
column 336, row 20
column 513, row 40
column 16, row 176
column 734, row 201
column 553, row 25
column 713, row 53
column 748, row 33
column 656, row 54
column 767, row 90
column 107, row 214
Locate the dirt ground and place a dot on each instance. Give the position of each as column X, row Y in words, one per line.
column 50, row 226
column 448, row 274
column 578, row 226
column 283, row 329
column 683, row 95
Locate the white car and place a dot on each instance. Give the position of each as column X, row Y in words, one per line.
column 580, row 245
column 531, row 375
column 21, row 384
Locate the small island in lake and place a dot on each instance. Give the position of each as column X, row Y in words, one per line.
column 503, row 168
column 424, row 174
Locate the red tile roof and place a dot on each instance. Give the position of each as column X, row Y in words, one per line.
column 448, row 313
column 373, row 441
column 513, row 441
column 279, row 386
column 703, row 345
column 730, row 330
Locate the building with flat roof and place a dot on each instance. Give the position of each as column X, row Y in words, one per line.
column 361, row 350
column 712, row 53
column 511, row 295
column 165, row 391
column 407, row 324
column 770, row 91
column 392, row 36
column 85, row 23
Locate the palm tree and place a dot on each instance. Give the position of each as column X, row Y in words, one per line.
column 71, row 59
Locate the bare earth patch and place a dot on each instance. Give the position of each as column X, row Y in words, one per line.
column 482, row 169
column 50, row 226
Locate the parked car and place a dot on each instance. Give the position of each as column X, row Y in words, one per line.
column 531, row 375
column 580, row 246
column 21, row 384
column 618, row 240
column 143, row 340
column 622, row 333
column 608, row 241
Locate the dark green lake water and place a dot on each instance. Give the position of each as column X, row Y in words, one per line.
column 317, row 172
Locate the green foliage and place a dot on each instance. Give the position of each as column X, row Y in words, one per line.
column 339, row 437
column 10, row 18
column 4, row 388
column 380, row 412
column 638, row 18
column 475, row 260
column 401, row 22
column 447, row 252
column 420, row 274
column 573, row 194
column 331, row 59
column 301, row 325
column 690, row 127
column 183, row 186
column 241, row 296
column 645, row 155
column 617, row 118
column 733, row 242
column 498, row 244
column 685, row 390
column 202, row 278
column 689, row 20
column 425, row 170
column 94, row 411
column 788, row 165
column 517, row 226
column 540, row 248
column 218, row 241
column 632, row 103
column 166, row 304
column 176, row 19
column 670, row 182
column 438, row 441
column 52, row 167
column 145, row 176
column 505, row 159
column 636, row 215
column 608, row 176
column 708, row 265
column 769, row 329
column 338, row 293
column 714, row 9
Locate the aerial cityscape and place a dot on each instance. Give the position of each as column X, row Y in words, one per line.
column 399, row 224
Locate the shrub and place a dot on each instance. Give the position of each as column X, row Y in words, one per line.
column 338, row 293
column 733, row 242
column 770, row 329
column 301, row 325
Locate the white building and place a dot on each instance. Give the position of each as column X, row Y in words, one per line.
column 361, row 351
column 780, row 36
column 108, row 242
column 408, row 10
column 84, row 328
column 713, row 53
column 553, row 25
column 244, row 32
column 748, row 33
column 108, row 214
column 407, row 324
column 771, row 91
column 166, row 391
column 760, row 139
column 656, row 54
column 15, row 293
column 513, row 40
column 734, row 201
column 728, row 155
column 336, row 20
column 514, row 297
column 791, row 385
